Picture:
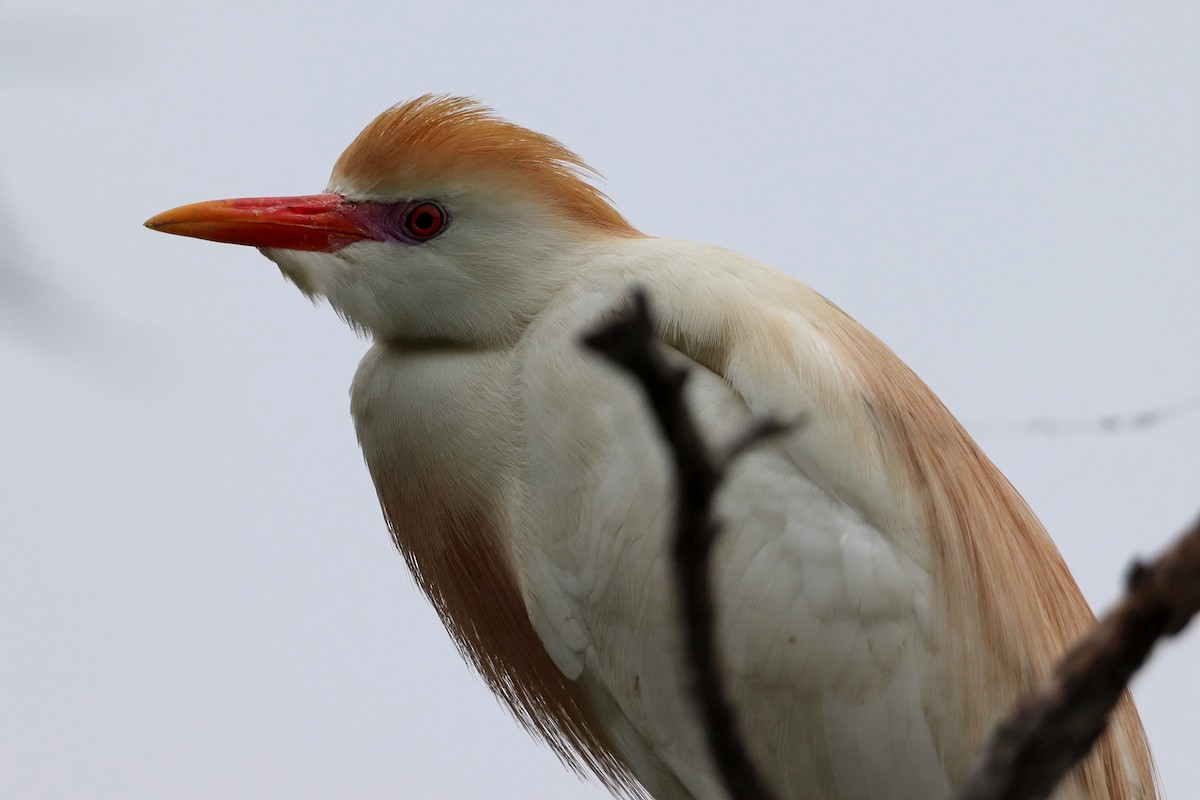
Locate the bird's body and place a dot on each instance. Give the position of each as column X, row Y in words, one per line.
column 882, row 593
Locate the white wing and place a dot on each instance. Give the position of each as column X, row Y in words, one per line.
column 824, row 620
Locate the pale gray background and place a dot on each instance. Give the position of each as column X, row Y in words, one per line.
column 198, row 598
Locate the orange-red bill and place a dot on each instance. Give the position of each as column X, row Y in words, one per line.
column 319, row 222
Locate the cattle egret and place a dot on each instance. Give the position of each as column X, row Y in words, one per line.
column 883, row 594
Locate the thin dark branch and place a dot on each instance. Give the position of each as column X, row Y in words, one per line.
column 1052, row 729
column 759, row 432
column 1059, row 427
column 629, row 342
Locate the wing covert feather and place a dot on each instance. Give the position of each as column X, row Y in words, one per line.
column 832, row 620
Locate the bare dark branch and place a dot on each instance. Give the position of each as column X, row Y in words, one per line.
column 759, row 432
column 629, row 342
column 1061, row 427
column 1049, row 731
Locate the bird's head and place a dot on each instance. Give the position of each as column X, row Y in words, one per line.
column 441, row 222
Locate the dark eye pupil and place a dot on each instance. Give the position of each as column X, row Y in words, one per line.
column 424, row 220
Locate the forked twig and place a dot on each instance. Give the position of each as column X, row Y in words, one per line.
column 629, row 342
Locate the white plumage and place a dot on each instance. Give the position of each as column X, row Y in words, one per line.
column 882, row 593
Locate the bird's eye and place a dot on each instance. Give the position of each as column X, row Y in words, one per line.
column 425, row 221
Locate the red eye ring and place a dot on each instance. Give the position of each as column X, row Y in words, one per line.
column 424, row 221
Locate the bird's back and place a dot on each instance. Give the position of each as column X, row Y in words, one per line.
column 883, row 593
